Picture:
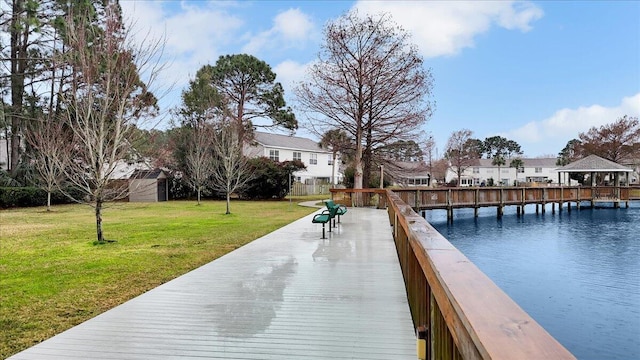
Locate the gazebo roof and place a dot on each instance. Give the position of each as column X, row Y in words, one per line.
column 594, row 163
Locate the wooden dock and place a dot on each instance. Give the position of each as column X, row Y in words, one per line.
column 288, row 295
column 499, row 197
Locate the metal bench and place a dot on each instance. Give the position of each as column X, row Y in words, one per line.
column 337, row 208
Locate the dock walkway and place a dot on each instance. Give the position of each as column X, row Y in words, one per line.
column 287, row 295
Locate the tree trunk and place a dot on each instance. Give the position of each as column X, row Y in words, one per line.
column 198, row 191
column 228, row 203
column 48, row 200
column 99, row 221
column 333, row 170
column 18, row 68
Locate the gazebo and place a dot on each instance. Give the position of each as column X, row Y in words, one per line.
column 593, row 165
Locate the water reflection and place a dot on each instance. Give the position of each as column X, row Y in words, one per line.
column 262, row 296
column 575, row 273
column 332, row 250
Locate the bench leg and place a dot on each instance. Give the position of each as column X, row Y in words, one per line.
column 338, row 219
column 323, row 231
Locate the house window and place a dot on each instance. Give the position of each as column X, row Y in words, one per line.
column 476, row 170
column 538, row 170
column 330, row 162
column 314, row 159
column 521, row 170
column 505, row 171
column 274, row 155
column 297, row 156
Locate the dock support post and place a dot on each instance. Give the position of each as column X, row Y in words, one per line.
column 553, row 208
column 500, row 212
column 544, row 207
column 475, row 210
column 569, row 206
column 537, row 209
column 450, row 214
column 518, row 210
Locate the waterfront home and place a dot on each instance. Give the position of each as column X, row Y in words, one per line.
column 483, row 172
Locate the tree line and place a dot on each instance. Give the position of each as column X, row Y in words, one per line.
column 618, row 141
column 78, row 98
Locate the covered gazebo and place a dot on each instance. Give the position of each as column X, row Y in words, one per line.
column 593, row 165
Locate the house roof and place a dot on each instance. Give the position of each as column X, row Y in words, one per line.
column 594, row 163
column 527, row 162
column 287, row 142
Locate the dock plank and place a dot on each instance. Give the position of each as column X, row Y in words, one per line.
column 287, row 295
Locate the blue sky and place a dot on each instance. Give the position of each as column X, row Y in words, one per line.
column 535, row 72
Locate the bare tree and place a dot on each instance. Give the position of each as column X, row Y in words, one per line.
column 50, row 145
column 232, row 169
column 106, row 101
column 369, row 81
column 199, row 158
column 460, row 152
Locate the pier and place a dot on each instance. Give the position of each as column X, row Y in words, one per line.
column 476, row 197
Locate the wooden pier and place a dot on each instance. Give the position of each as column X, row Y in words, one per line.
column 499, row 197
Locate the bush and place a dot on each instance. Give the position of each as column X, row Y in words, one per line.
column 22, row 197
column 33, row 196
column 270, row 178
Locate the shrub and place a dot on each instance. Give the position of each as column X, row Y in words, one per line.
column 270, row 178
column 22, row 197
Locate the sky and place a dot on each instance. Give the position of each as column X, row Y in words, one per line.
column 537, row 72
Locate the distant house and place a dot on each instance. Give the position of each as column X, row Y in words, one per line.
column 4, row 154
column 280, row 148
column 148, row 186
column 415, row 173
column 534, row 170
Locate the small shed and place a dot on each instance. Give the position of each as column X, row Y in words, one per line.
column 593, row 165
column 148, row 186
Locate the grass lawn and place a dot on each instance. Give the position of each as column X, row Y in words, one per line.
column 53, row 277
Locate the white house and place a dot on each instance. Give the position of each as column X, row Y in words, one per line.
column 280, row 148
column 538, row 170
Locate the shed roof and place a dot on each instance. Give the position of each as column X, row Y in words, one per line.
column 287, row 142
column 156, row 173
column 594, row 163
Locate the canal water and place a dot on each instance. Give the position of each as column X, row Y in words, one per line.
column 577, row 274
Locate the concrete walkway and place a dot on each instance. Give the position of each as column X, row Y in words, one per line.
column 287, row 295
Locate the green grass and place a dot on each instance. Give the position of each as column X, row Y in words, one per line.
column 53, row 277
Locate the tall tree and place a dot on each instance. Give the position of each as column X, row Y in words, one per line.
column 461, row 152
column 107, row 99
column 336, row 140
column 248, row 85
column 232, row 170
column 570, row 153
column 615, row 141
column 369, row 80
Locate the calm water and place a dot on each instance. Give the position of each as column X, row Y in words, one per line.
column 577, row 274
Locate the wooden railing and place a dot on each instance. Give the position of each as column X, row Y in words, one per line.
column 463, row 313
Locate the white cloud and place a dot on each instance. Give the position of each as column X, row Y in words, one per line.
column 289, row 73
column 566, row 124
column 442, row 28
column 291, row 28
column 194, row 33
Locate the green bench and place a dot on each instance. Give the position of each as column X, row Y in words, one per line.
column 324, row 217
column 337, row 208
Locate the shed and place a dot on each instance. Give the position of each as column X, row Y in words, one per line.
column 594, row 164
column 148, row 186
